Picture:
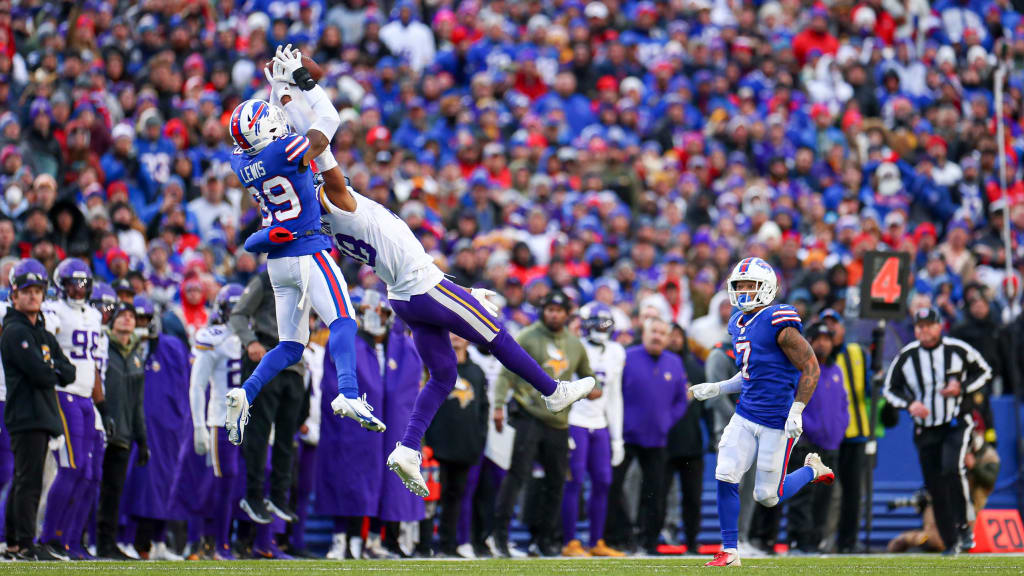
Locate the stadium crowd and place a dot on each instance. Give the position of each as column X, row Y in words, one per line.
column 558, row 152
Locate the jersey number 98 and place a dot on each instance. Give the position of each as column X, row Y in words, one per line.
column 278, row 200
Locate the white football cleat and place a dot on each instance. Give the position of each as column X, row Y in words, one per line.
column 237, row 415
column 822, row 474
column 568, row 392
column 359, row 410
column 339, row 547
column 160, row 551
column 405, row 462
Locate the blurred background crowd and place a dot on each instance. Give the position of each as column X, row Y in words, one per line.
column 620, row 151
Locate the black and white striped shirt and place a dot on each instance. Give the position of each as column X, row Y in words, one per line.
column 919, row 375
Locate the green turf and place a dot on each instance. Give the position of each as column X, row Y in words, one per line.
column 903, row 565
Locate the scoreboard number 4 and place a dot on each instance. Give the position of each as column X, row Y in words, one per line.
column 884, row 285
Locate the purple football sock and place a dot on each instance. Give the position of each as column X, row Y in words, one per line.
column 598, row 509
column 512, row 356
column 570, row 508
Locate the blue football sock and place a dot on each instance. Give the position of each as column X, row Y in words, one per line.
column 341, row 345
column 729, row 512
column 795, row 481
column 280, row 357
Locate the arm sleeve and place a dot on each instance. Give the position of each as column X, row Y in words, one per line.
column 299, row 113
column 199, row 381
column 246, row 307
column 978, row 370
column 613, row 402
column 732, row 385
column 895, row 388
column 326, row 119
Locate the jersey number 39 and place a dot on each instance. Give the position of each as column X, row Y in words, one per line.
column 278, row 200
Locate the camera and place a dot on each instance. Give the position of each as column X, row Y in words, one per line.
column 919, row 500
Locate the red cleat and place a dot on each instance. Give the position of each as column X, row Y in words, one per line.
column 822, row 474
column 725, row 558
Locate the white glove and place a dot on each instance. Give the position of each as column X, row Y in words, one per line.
column 289, row 60
column 482, row 296
column 279, row 87
column 618, row 452
column 706, row 390
column 56, row 443
column 795, row 422
column 200, row 439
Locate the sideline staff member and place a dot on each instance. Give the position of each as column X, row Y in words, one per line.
column 930, row 378
column 34, row 365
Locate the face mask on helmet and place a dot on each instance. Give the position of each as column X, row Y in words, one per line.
column 597, row 324
column 752, row 284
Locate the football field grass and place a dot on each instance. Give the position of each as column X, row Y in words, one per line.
column 908, row 565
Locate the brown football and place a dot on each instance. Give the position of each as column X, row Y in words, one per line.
column 314, row 69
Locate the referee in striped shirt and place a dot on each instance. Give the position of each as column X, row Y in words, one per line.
column 930, row 378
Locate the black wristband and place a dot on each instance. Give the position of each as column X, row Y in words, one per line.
column 303, row 79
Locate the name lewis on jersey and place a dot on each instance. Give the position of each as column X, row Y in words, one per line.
column 253, row 171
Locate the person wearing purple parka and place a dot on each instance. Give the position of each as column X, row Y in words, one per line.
column 388, row 366
column 349, row 481
column 149, row 487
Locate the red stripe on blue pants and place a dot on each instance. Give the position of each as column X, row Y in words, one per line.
column 785, row 465
column 332, row 282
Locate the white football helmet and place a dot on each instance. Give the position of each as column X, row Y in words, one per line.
column 753, row 270
column 257, row 123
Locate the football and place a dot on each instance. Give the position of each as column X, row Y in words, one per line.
column 314, row 69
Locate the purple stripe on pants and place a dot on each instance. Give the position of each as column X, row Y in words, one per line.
column 449, row 308
column 73, row 460
column 592, row 455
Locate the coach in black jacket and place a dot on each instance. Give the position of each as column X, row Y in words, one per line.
column 34, row 366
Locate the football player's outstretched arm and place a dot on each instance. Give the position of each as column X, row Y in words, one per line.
column 801, row 355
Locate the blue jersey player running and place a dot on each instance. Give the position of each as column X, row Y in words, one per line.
column 273, row 163
column 778, row 374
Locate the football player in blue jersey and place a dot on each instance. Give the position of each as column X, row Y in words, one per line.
column 777, row 376
column 274, row 164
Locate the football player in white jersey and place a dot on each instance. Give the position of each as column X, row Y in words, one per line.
column 429, row 304
column 595, row 433
column 78, row 327
column 217, row 365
